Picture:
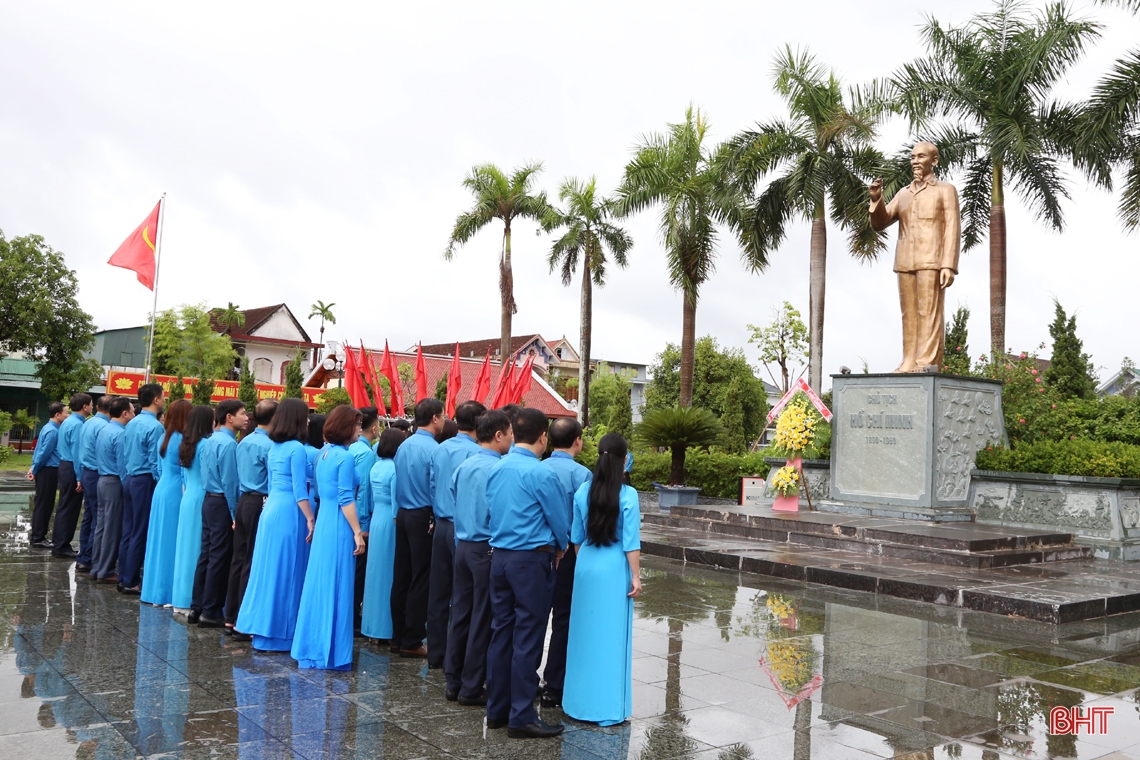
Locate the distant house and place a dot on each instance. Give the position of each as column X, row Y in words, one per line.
column 1126, row 382
column 270, row 337
column 638, row 377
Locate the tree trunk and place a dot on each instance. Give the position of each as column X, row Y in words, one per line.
column 997, row 264
column 688, row 348
column 677, row 466
column 673, row 667
column 586, row 319
column 507, row 293
column 817, row 285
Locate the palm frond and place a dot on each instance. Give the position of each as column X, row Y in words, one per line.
column 975, row 196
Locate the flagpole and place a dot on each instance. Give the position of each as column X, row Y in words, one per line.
column 157, row 265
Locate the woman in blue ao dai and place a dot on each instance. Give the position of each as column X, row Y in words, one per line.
column 188, row 545
column 376, row 618
column 313, row 447
column 162, row 530
column 323, row 638
column 281, row 552
column 606, row 530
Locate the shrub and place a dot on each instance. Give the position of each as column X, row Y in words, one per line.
column 1071, row 457
column 678, row 429
column 716, row 473
column 331, row 399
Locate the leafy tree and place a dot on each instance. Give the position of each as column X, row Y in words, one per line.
column 1070, row 372
column 202, row 393
column 714, row 371
column 990, row 82
column 295, row 376
column 824, row 152
column 678, row 428
column 498, row 196
column 187, row 345
column 608, row 387
column 783, row 342
column 407, row 375
column 230, row 317
column 324, row 311
column 588, row 234
column 621, row 416
column 331, row 399
column 441, row 387
column 678, row 172
column 956, row 354
column 25, row 422
column 40, row 315
column 247, row 391
column 177, row 389
column 734, row 441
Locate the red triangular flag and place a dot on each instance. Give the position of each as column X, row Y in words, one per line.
column 482, row 380
column 370, row 377
column 352, row 381
column 506, row 384
column 522, row 380
column 137, row 251
column 389, row 369
column 421, row 375
column 454, row 383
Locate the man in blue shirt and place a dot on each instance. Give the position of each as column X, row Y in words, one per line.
column 566, row 440
column 141, row 442
column 529, row 533
column 364, row 456
column 465, row 667
column 45, row 471
column 111, row 462
column 450, row 454
column 413, row 530
column 253, row 481
column 219, row 512
column 70, row 489
column 89, row 480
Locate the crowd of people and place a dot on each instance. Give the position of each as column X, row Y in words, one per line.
column 459, row 541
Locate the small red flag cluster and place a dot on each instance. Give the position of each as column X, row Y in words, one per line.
column 362, row 375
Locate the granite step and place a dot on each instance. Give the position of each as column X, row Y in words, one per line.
column 959, row 545
column 1054, row 592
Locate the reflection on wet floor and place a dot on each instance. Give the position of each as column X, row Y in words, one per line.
column 726, row 667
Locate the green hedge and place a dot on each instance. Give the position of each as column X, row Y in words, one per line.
column 717, row 474
column 1072, row 457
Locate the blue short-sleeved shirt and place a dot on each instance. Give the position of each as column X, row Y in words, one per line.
column 469, row 491
column 69, row 437
column 219, row 467
column 413, row 470
column 253, row 462
column 47, row 448
column 448, row 456
column 528, row 506
column 88, row 435
column 111, row 458
column 143, row 439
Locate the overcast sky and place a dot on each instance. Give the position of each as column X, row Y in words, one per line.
column 316, row 151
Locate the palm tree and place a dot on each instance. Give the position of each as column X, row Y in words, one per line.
column 990, row 82
column 324, row 311
column 678, row 429
column 498, row 196
column 588, row 234
column 25, row 422
column 824, row 152
column 231, row 315
column 678, row 172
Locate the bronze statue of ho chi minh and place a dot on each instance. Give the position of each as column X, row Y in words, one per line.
column 926, row 258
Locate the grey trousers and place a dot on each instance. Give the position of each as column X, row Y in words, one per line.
column 109, row 528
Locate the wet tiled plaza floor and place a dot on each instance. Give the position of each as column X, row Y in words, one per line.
column 726, row 666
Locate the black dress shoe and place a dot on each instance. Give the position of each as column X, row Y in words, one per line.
column 451, row 696
column 434, row 666
column 236, row 636
column 537, row 730
column 65, row 554
column 551, row 699
column 42, row 544
column 473, row 701
column 193, row 617
column 81, row 568
column 130, row 590
column 496, row 723
column 208, row 622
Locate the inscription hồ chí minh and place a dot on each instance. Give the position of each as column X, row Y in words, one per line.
column 863, row 419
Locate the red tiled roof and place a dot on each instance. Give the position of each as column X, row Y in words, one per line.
column 540, row 396
column 477, row 349
column 253, row 319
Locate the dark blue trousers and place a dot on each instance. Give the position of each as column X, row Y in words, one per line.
column 67, row 510
column 465, row 667
column 212, row 575
column 136, row 520
column 554, row 675
column 522, row 584
column 105, row 555
column 90, row 481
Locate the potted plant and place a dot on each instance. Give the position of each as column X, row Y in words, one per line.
column 677, row 429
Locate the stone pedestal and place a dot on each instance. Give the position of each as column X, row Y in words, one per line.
column 904, row 445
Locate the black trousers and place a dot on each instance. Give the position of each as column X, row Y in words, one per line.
column 67, row 511
column 439, row 590
column 47, row 483
column 410, row 577
column 358, row 588
column 554, row 676
column 249, row 508
column 465, row 667
column 213, row 571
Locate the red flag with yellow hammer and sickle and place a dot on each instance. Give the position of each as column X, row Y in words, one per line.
column 137, row 251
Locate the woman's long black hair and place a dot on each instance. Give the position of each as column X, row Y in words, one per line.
column 605, row 490
column 199, row 425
